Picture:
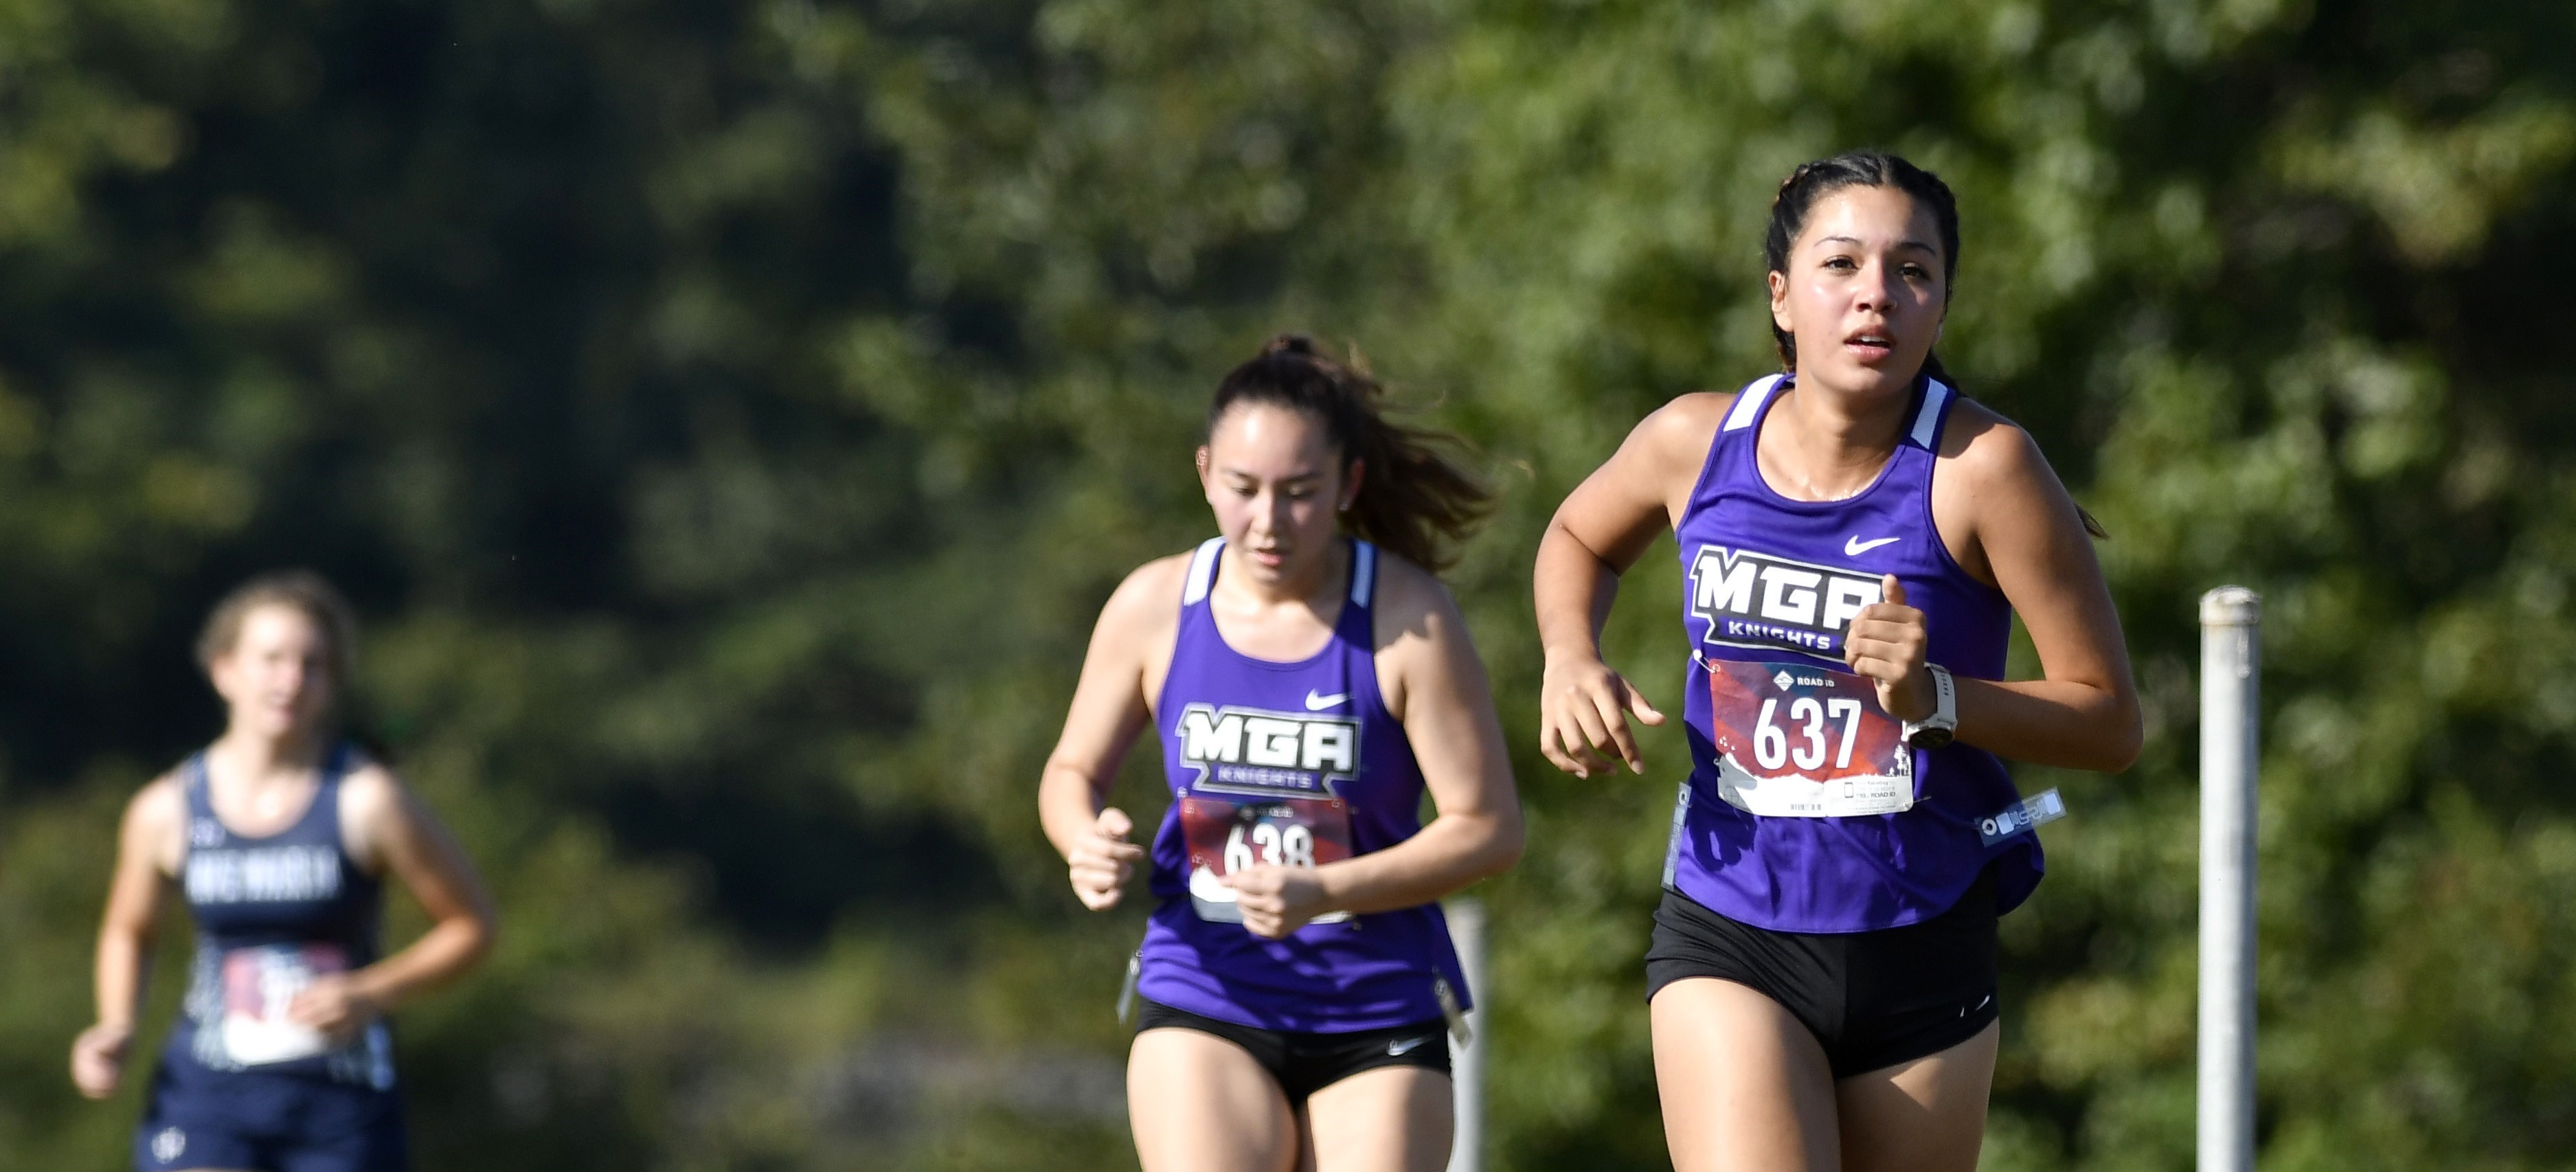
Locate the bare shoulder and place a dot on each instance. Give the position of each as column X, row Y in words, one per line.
column 369, row 791
column 162, row 804
column 1669, row 448
column 1991, row 451
column 1412, row 602
column 377, row 814
column 154, row 825
column 1149, row 598
column 1686, row 424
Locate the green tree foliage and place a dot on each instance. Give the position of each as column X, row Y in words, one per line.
column 731, row 417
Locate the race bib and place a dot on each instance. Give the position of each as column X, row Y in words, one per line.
column 258, row 985
column 1229, row 836
column 1795, row 741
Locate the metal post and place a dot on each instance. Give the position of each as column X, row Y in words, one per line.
column 2231, row 656
column 1467, row 1063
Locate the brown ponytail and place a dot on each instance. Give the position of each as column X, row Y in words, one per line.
column 1414, row 500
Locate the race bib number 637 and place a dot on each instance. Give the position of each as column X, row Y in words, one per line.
column 1795, row 741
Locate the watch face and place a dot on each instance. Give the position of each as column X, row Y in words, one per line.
column 1929, row 738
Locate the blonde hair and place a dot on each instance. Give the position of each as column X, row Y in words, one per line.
column 302, row 590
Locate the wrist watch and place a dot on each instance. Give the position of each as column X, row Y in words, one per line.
column 1938, row 729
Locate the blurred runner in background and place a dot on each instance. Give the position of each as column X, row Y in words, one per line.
column 1855, row 538
column 1310, row 678
column 279, row 836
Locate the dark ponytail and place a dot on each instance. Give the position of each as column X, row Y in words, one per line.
column 1813, row 181
column 1414, row 500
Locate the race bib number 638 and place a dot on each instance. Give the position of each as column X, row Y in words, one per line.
column 1795, row 741
column 1229, row 836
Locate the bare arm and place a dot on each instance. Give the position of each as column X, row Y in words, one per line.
column 1603, row 527
column 1434, row 683
column 388, row 828
column 147, row 854
column 2083, row 711
column 2017, row 527
column 1109, row 708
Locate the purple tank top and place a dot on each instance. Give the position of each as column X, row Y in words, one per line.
column 1285, row 763
column 1805, row 811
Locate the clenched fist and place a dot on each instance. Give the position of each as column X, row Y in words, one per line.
column 1103, row 860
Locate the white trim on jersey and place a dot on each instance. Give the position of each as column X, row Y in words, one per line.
column 1363, row 571
column 1748, row 402
column 1202, row 572
column 1927, row 422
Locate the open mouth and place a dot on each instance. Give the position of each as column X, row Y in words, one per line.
column 1870, row 345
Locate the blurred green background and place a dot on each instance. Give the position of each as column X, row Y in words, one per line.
column 730, row 416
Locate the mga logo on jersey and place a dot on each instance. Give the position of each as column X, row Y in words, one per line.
column 1268, row 754
column 1753, row 599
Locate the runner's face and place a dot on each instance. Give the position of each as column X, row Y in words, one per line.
column 1864, row 294
column 1275, row 482
column 277, row 677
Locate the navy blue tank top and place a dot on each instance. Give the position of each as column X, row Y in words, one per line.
column 1805, row 810
column 272, row 913
column 1297, row 764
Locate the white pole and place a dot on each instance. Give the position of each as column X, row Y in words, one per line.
column 1467, row 1062
column 2231, row 656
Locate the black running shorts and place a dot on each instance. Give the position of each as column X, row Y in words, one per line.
column 1872, row 999
column 1306, row 1063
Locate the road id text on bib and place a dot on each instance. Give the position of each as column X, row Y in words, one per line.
column 1797, row 741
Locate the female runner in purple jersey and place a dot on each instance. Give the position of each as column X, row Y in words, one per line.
column 1310, row 680
column 278, row 836
column 1856, row 539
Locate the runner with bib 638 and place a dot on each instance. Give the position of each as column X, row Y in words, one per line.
column 1311, row 681
column 1856, row 538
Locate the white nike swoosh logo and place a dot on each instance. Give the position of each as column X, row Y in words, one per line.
column 1317, row 701
column 1854, row 547
column 1399, row 1049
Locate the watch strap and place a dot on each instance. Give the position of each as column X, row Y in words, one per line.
column 1944, row 720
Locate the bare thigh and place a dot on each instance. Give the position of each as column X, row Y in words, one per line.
column 1199, row 1103
column 1745, row 1087
column 1391, row 1119
column 1928, row 1115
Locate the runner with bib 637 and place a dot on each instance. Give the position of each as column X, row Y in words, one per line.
column 1856, row 538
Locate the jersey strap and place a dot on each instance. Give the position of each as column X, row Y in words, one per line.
column 1203, row 564
column 206, row 828
column 1748, row 402
column 1925, row 430
column 1202, row 572
column 1927, row 420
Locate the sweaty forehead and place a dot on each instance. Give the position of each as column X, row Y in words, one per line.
column 1875, row 217
column 1270, row 440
